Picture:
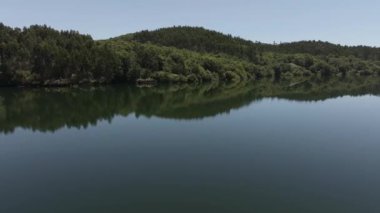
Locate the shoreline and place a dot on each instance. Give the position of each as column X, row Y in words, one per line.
column 150, row 82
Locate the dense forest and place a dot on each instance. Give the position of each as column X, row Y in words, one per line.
column 42, row 56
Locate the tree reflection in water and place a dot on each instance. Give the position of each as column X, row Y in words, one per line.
column 49, row 109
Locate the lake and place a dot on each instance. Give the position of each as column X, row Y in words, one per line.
column 250, row 147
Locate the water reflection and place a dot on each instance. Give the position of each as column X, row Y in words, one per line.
column 50, row 109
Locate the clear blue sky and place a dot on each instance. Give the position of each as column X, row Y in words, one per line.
column 349, row 22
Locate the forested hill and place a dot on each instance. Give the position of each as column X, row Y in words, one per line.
column 197, row 39
column 203, row 40
column 326, row 48
column 42, row 56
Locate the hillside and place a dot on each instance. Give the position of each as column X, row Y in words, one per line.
column 197, row 39
column 42, row 56
column 286, row 60
column 326, row 48
column 202, row 40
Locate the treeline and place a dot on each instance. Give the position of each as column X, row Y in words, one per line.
column 288, row 60
column 168, row 64
column 326, row 48
column 203, row 40
column 40, row 55
column 200, row 40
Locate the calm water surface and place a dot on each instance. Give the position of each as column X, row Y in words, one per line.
column 262, row 147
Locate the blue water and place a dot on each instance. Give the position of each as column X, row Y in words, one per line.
column 268, row 155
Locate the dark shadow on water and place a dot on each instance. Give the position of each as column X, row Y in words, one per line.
column 49, row 109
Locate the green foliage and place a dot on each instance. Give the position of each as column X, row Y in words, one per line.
column 39, row 55
column 198, row 39
column 232, row 76
column 168, row 64
column 323, row 68
column 168, row 77
column 319, row 48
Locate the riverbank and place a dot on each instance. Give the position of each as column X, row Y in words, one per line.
column 42, row 56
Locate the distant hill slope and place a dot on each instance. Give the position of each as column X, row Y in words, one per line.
column 197, row 39
column 202, row 40
column 326, row 48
